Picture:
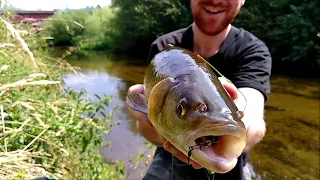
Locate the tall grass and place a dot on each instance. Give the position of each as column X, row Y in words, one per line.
column 46, row 129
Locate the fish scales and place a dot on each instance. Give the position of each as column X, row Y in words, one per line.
column 170, row 64
column 187, row 105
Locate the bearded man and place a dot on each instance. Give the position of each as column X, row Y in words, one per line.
column 237, row 54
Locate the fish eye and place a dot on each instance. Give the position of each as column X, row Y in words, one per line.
column 181, row 111
column 181, row 108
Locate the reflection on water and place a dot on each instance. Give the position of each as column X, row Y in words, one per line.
column 113, row 78
column 290, row 150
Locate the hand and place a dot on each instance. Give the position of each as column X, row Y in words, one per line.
column 151, row 134
column 232, row 91
column 143, row 123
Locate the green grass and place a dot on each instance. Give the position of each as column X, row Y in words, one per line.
column 44, row 130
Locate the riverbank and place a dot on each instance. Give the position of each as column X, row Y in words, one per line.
column 294, row 70
column 47, row 129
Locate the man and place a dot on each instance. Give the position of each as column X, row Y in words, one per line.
column 238, row 55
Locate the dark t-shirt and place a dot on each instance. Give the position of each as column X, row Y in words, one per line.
column 242, row 58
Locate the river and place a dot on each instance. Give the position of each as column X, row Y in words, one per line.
column 290, row 149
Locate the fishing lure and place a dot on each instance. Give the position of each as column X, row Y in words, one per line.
column 224, row 78
column 211, row 139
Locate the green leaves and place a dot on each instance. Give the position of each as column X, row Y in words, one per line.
column 142, row 21
column 47, row 124
column 288, row 28
column 79, row 27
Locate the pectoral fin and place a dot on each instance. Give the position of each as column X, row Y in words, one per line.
column 138, row 102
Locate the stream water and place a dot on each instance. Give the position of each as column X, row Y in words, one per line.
column 290, row 149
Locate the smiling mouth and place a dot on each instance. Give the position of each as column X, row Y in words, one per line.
column 212, row 10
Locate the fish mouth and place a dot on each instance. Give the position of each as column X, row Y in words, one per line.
column 217, row 148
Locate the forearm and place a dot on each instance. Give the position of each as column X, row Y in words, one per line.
column 149, row 134
column 255, row 134
column 253, row 115
column 143, row 124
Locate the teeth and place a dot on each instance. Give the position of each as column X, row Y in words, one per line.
column 212, row 10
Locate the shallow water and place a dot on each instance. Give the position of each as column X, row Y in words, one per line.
column 290, row 149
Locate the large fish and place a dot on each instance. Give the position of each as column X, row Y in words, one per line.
column 188, row 105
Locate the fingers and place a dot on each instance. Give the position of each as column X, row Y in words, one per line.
column 150, row 133
column 143, row 123
column 230, row 88
column 139, row 116
column 136, row 89
column 170, row 148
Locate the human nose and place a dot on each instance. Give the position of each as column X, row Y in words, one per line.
column 216, row 2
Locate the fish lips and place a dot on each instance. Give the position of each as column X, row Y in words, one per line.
column 222, row 156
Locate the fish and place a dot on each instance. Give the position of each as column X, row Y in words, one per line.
column 187, row 104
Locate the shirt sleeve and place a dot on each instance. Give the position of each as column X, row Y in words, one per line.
column 154, row 49
column 254, row 68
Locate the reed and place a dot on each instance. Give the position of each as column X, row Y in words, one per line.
column 47, row 129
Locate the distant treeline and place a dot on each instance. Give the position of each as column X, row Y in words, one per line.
column 290, row 28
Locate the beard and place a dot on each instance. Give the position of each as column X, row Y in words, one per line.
column 212, row 24
column 211, row 28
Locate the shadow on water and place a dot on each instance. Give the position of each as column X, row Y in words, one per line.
column 290, row 149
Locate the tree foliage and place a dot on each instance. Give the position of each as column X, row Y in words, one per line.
column 288, row 27
column 80, row 27
column 66, row 28
column 139, row 22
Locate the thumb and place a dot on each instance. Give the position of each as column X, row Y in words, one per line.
column 229, row 87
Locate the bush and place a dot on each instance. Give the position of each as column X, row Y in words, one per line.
column 289, row 28
column 47, row 129
column 80, row 28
